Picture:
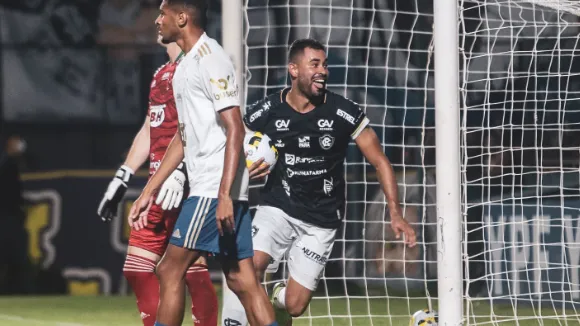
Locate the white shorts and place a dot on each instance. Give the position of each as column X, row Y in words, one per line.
column 275, row 232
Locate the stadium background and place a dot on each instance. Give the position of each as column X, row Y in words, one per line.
column 78, row 97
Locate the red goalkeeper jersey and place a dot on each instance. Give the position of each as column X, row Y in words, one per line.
column 162, row 114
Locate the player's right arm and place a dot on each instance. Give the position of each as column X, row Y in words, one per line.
column 255, row 119
column 138, row 154
column 172, row 159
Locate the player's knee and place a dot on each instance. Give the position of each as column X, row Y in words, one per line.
column 164, row 271
column 237, row 284
column 295, row 306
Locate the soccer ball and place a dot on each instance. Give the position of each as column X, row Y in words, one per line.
column 424, row 317
column 257, row 146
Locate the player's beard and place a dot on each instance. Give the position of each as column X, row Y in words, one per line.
column 310, row 90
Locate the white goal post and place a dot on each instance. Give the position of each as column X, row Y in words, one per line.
column 477, row 104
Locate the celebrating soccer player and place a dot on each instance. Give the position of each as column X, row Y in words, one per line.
column 147, row 245
column 215, row 218
column 302, row 203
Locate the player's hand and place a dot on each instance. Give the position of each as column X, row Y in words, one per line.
column 259, row 169
column 138, row 215
column 115, row 192
column 171, row 192
column 225, row 215
column 400, row 225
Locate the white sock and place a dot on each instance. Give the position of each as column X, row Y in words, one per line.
column 280, row 301
column 232, row 309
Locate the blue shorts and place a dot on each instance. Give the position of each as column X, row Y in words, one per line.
column 196, row 228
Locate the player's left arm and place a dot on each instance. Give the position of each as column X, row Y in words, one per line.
column 220, row 84
column 368, row 142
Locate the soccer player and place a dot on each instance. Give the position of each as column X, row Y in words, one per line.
column 147, row 245
column 302, row 203
column 215, row 218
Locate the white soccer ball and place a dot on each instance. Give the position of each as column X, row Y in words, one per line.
column 424, row 317
column 257, row 146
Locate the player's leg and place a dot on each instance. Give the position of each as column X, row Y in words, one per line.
column 271, row 236
column 171, row 273
column 237, row 252
column 204, row 301
column 306, row 264
column 181, row 253
column 146, row 247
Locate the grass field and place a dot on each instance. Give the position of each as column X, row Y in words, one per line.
column 121, row 310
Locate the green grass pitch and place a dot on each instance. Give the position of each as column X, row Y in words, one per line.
column 121, row 310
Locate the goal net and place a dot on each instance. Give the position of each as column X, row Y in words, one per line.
column 519, row 91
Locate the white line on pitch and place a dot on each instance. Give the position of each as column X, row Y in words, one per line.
column 38, row 321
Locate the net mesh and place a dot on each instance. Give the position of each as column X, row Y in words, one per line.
column 519, row 91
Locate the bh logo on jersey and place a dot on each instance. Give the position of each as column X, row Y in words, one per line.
column 157, row 115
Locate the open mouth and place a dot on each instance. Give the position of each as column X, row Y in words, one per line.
column 319, row 82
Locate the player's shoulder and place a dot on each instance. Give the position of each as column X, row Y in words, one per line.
column 265, row 104
column 260, row 109
column 341, row 102
column 211, row 53
column 348, row 110
column 160, row 69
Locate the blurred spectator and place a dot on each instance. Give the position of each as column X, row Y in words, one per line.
column 127, row 28
column 14, row 262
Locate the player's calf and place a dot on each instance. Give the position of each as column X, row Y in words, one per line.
column 204, row 302
column 139, row 272
column 296, row 297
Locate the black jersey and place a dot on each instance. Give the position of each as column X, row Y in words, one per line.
column 308, row 179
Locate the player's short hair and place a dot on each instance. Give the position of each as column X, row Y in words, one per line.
column 198, row 9
column 297, row 48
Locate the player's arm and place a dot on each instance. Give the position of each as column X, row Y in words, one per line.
column 232, row 121
column 116, row 189
column 139, row 151
column 172, row 159
column 255, row 119
column 368, row 142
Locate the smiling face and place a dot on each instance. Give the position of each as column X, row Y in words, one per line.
column 309, row 72
column 167, row 23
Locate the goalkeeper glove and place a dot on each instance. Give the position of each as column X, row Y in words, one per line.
column 171, row 193
column 115, row 192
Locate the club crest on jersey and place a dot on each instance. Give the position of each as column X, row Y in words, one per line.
column 325, row 124
column 326, row 141
column 157, row 115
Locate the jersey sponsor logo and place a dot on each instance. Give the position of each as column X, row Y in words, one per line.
column 324, row 124
column 265, row 107
column 326, row 141
column 305, row 173
column 157, row 115
column 154, row 165
column 255, row 230
column 166, row 76
column 345, row 116
column 286, row 187
column 292, row 159
column 328, row 186
column 304, row 142
column 231, row 322
column 282, row 125
column 223, row 84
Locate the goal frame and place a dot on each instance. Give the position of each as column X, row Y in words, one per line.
column 447, row 129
